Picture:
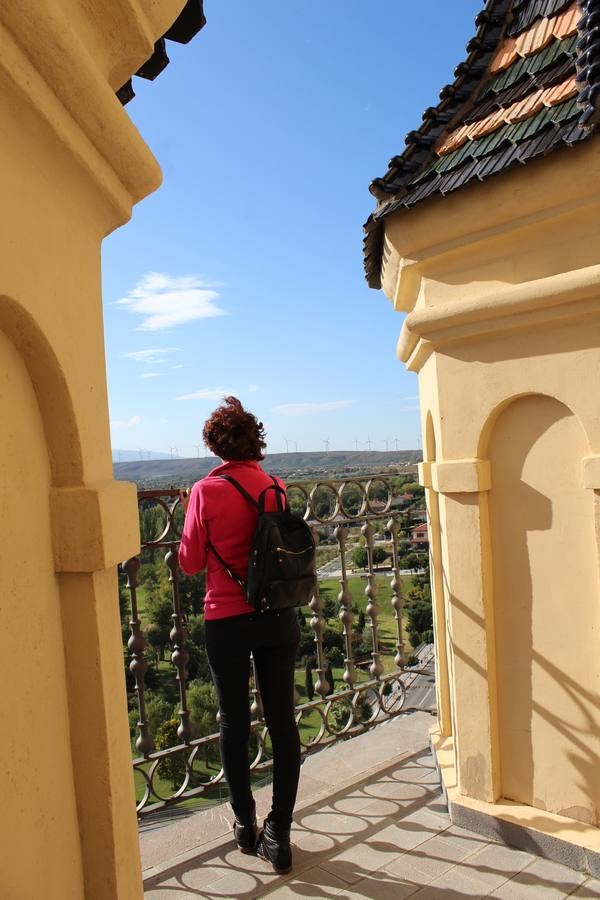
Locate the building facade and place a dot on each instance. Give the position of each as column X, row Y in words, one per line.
column 486, row 236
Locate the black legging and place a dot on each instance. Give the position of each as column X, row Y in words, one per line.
column 273, row 638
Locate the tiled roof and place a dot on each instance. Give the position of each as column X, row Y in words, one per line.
column 529, row 86
column 186, row 26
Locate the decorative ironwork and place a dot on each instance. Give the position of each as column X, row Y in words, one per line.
column 344, row 516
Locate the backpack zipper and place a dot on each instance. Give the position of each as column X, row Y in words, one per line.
column 291, row 552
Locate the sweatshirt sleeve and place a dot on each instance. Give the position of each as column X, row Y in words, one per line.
column 194, row 540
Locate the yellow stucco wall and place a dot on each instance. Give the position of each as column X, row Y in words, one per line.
column 71, row 167
column 501, row 283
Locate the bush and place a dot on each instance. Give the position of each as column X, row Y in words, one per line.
column 172, row 768
column 335, row 657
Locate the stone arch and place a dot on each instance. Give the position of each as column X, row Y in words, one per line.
column 543, row 568
column 37, row 436
column 52, row 392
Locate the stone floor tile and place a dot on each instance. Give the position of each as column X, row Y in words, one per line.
column 542, row 880
column 403, row 835
column 357, row 805
column 472, row 884
column 425, row 817
column 445, row 887
column 380, row 886
column 467, row 841
column 437, row 855
column 315, row 882
column 408, row 793
column 590, row 889
column 381, row 807
column 497, row 858
column 359, row 860
column 333, row 824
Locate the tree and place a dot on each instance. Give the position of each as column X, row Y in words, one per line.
column 157, row 638
column 301, row 617
column 329, row 677
column 192, row 589
column 171, row 768
column 198, row 667
column 362, row 620
column 419, row 616
column 336, row 657
column 329, row 608
column 379, row 555
column 308, row 680
column 360, row 557
column 203, row 707
column 411, row 561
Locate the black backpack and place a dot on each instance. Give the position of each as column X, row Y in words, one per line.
column 281, row 565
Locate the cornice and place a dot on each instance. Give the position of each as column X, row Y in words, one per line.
column 51, row 67
column 553, row 301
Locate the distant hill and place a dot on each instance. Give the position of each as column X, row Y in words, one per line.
column 301, row 465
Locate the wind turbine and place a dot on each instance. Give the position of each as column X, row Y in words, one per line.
column 197, row 448
column 326, row 442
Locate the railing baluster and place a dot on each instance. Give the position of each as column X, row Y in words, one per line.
column 179, row 656
column 342, row 519
column 317, row 624
column 256, row 708
column 138, row 665
column 376, row 667
column 346, row 615
column 397, row 597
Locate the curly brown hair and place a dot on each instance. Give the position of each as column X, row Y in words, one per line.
column 233, row 433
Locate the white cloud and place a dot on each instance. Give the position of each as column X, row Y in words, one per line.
column 307, row 409
column 208, row 394
column 164, row 301
column 126, row 423
column 180, row 366
column 150, row 375
column 152, row 357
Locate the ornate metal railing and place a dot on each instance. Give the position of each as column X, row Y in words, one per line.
column 376, row 687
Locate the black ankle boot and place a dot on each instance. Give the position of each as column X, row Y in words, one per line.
column 246, row 833
column 274, row 846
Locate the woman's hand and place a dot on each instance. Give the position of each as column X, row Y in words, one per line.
column 184, row 497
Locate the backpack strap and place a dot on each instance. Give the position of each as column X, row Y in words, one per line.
column 281, row 505
column 231, row 572
column 239, row 488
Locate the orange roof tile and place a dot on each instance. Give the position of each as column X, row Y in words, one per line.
column 517, row 112
column 505, row 55
column 536, row 38
column 560, row 92
column 566, row 22
column 526, row 107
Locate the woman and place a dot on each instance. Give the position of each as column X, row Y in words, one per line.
column 219, row 517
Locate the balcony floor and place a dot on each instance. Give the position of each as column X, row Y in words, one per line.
column 370, row 823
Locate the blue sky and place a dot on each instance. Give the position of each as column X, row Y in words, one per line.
column 243, row 273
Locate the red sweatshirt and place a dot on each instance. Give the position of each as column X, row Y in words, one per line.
column 218, row 513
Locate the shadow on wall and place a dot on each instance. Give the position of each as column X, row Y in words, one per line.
column 545, row 589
